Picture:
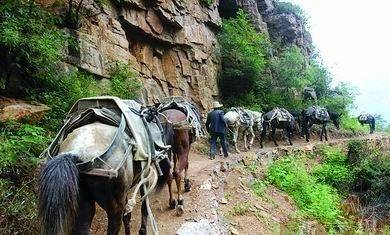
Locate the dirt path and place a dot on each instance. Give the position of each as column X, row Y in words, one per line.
column 222, row 202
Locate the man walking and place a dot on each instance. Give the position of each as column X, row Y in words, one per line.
column 216, row 127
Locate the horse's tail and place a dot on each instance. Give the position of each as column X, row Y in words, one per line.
column 58, row 195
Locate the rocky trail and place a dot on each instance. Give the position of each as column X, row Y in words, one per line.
column 222, row 202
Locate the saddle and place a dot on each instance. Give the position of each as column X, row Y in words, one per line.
column 137, row 124
column 281, row 115
column 193, row 119
column 321, row 113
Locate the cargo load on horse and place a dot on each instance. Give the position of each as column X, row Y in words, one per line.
column 194, row 118
column 106, row 147
column 277, row 118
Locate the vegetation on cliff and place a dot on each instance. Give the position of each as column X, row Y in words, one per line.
column 260, row 74
column 325, row 183
column 33, row 50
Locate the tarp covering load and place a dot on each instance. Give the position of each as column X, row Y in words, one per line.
column 246, row 118
column 144, row 137
column 363, row 117
column 321, row 114
column 281, row 115
column 194, row 118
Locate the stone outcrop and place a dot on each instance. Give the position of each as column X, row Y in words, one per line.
column 20, row 110
column 171, row 43
column 286, row 28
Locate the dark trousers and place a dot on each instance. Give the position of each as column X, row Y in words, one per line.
column 213, row 144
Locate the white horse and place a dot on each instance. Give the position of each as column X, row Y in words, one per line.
column 246, row 119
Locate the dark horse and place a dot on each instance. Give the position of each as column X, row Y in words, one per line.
column 298, row 119
column 321, row 116
column 367, row 119
column 67, row 195
column 272, row 120
column 178, row 134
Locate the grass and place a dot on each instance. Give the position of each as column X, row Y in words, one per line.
column 258, row 187
column 241, row 208
column 315, row 199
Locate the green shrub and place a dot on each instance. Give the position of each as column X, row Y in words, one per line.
column 206, row 2
column 258, row 187
column 31, row 46
column 352, row 125
column 243, row 57
column 315, row 199
column 287, row 7
column 20, row 145
column 124, row 82
column 334, row 169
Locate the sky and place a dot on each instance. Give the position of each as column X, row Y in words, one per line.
column 353, row 40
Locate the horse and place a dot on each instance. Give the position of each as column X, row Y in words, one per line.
column 321, row 116
column 367, row 119
column 298, row 119
column 239, row 117
column 275, row 120
column 179, row 135
column 67, row 195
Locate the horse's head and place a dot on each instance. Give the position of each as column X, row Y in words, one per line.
column 336, row 118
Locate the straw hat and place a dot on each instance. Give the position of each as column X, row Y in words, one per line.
column 216, row 105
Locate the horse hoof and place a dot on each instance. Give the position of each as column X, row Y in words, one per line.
column 172, row 204
column 180, row 210
column 187, row 185
column 142, row 231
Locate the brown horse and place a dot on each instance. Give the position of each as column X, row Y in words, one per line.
column 177, row 133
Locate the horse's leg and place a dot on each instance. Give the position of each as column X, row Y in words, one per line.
column 308, row 130
column 322, row 131
column 177, row 175
column 144, row 214
column 85, row 213
column 115, row 216
column 126, row 223
column 252, row 132
column 245, row 139
column 235, row 137
column 263, row 134
column 289, row 134
column 187, row 183
column 273, row 134
column 326, row 132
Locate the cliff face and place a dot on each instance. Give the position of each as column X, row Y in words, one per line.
column 173, row 43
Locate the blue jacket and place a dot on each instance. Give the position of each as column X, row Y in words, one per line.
column 215, row 122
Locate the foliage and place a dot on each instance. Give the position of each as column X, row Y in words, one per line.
column 372, row 181
column 20, row 145
column 243, row 57
column 288, row 7
column 351, row 124
column 124, row 82
column 258, row 187
column 240, row 208
column 315, row 199
column 206, row 2
column 334, row 169
column 30, row 43
column 340, row 99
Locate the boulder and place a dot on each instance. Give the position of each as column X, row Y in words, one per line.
column 20, row 110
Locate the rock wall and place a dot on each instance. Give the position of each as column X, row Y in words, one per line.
column 171, row 43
